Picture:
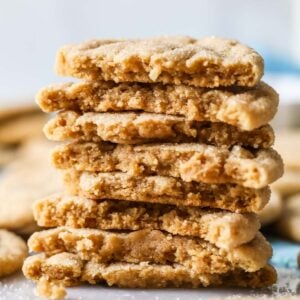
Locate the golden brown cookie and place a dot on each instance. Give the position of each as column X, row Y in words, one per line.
column 26, row 231
column 22, row 128
column 189, row 162
column 288, row 143
column 166, row 190
column 139, row 128
column 209, row 62
column 289, row 224
column 152, row 246
column 7, row 154
column 69, row 269
column 16, row 111
column 26, row 179
column 13, row 251
column 222, row 228
column 50, row 289
column 288, row 227
column 246, row 109
column 273, row 210
column 289, row 183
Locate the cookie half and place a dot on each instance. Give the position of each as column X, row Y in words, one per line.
column 221, row 228
column 208, row 62
column 166, row 190
column 139, row 128
column 189, row 162
column 244, row 108
column 153, row 246
column 69, row 269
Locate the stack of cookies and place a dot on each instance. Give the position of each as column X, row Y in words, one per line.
column 169, row 161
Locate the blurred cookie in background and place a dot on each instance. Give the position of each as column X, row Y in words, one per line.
column 289, row 224
column 13, row 251
column 17, row 125
column 7, row 154
column 289, row 183
column 272, row 211
column 29, row 177
column 15, row 111
column 26, row 171
column 26, row 174
column 18, row 128
column 287, row 143
column 288, row 186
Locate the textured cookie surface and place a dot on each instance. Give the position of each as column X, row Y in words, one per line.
column 13, row 251
column 246, row 109
column 151, row 246
column 70, row 269
column 209, row 62
column 222, row 228
column 167, row 190
column 190, row 162
column 138, row 128
column 26, row 179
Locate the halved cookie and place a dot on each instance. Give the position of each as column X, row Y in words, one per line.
column 69, row 269
column 223, row 228
column 140, row 128
column 244, row 108
column 13, row 251
column 152, row 246
column 189, row 162
column 208, row 62
column 166, row 190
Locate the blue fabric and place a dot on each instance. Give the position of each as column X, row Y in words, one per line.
column 284, row 253
column 277, row 63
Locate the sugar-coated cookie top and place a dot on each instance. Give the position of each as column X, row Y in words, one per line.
column 208, row 62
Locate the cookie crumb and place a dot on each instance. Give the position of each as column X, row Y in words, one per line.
column 50, row 289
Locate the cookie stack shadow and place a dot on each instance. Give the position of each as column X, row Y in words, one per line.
column 168, row 161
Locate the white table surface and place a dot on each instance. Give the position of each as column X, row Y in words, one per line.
column 16, row 287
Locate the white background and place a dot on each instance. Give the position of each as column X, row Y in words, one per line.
column 31, row 31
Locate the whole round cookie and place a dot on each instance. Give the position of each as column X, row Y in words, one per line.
column 13, row 251
column 25, row 180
